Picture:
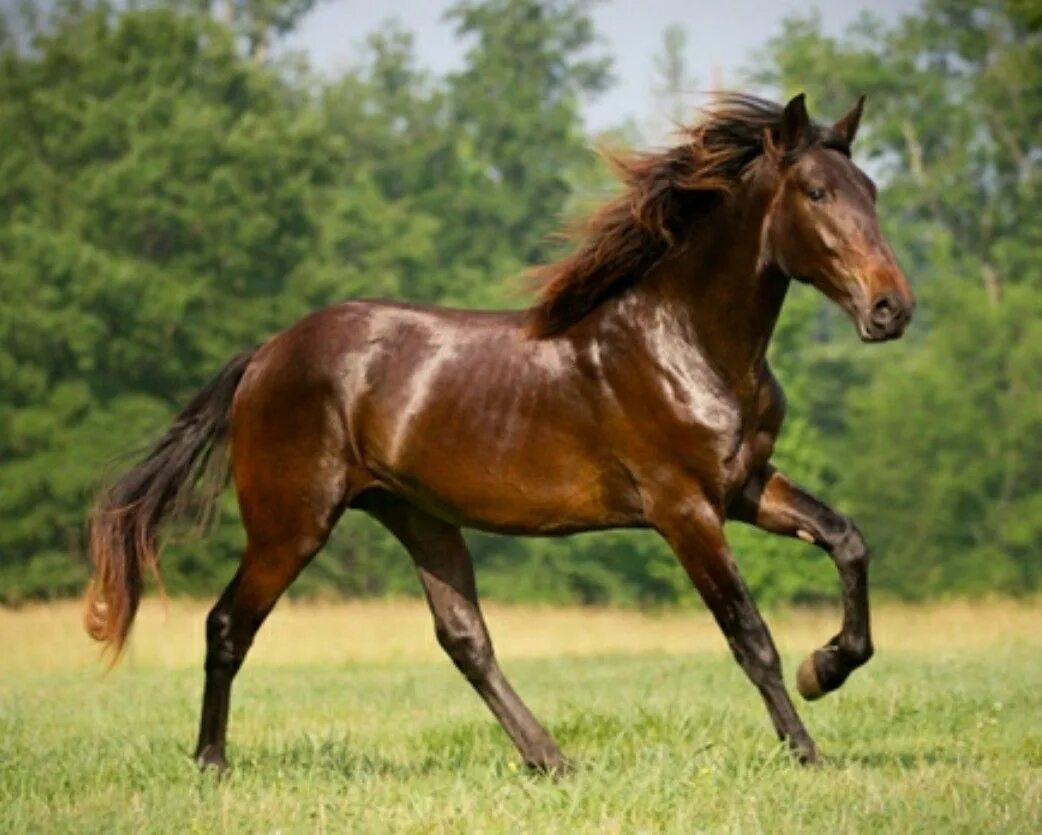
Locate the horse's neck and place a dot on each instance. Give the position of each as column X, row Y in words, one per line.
column 713, row 298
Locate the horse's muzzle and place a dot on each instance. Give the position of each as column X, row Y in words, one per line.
column 886, row 318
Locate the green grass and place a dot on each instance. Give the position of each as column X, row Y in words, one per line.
column 945, row 741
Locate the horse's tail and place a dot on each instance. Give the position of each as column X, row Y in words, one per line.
column 125, row 518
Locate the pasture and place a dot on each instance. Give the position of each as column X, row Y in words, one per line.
column 346, row 718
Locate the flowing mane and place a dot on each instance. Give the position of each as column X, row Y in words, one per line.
column 621, row 241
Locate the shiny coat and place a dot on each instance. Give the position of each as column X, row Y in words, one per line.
column 635, row 393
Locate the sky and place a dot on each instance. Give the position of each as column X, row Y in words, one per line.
column 722, row 36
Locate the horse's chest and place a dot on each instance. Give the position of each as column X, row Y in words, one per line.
column 701, row 427
column 724, row 444
column 704, row 435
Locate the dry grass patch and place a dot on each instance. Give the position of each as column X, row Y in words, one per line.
column 49, row 637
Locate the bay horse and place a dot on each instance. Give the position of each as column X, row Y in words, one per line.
column 634, row 393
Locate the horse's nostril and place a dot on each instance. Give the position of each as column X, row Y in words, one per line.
column 886, row 309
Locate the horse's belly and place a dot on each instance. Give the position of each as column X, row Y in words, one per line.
column 538, row 488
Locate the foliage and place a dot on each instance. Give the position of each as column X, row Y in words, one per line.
column 170, row 194
column 155, row 204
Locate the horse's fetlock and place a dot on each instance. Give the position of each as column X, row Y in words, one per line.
column 857, row 650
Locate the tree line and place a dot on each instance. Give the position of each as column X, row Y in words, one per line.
column 173, row 190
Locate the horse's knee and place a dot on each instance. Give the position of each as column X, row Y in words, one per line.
column 467, row 644
column 849, row 548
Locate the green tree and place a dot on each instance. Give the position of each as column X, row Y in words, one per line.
column 674, row 84
column 516, row 102
column 934, row 439
column 168, row 196
column 154, row 201
column 169, row 200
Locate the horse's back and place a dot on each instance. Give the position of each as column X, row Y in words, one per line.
column 452, row 409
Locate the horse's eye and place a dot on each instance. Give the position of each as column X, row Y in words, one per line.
column 816, row 194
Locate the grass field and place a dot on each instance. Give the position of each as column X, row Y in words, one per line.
column 346, row 718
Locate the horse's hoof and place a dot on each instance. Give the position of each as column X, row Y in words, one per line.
column 807, row 681
column 212, row 757
column 809, row 757
column 555, row 767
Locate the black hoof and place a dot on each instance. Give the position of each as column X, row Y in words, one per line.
column 821, row 672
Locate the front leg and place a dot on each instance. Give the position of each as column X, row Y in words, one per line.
column 694, row 529
column 774, row 503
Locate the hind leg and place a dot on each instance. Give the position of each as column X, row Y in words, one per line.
column 285, row 528
column 447, row 574
column 264, row 574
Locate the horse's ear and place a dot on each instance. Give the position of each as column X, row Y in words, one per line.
column 791, row 133
column 795, row 123
column 847, row 126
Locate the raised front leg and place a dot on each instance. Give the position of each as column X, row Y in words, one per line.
column 695, row 532
column 774, row 503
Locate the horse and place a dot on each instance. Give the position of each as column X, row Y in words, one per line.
column 633, row 393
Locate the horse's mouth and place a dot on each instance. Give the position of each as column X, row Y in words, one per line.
column 870, row 332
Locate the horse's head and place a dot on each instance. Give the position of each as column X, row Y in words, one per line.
column 822, row 226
